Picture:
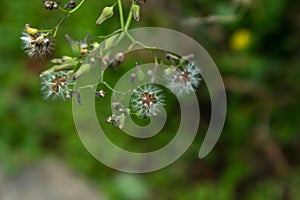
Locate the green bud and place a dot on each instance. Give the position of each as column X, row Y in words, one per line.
column 66, row 63
column 136, row 12
column 169, row 71
column 106, row 13
column 122, row 121
column 82, row 70
column 95, row 45
column 140, row 74
column 74, row 45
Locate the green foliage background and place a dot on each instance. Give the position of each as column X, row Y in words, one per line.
column 257, row 156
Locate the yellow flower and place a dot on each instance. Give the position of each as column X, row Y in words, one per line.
column 240, row 39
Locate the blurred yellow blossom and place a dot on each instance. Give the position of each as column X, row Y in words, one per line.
column 240, row 39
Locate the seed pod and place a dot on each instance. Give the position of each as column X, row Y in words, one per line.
column 136, row 12
column 106, row 13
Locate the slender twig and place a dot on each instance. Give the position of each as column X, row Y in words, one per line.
column 121, row 14
column 129, row 19
column 59, row 23
column 73, row 10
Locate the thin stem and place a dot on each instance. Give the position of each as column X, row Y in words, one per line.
column 128, row 21
column 129, row 18
column 87, row 86
column 139, row 43
column 121, row 14
column 109, row 35
column 59, row 23
column 63, row 10
column 73, row 10
column 112, row 89
column 91, row 86
column 45, row 31
column 77, row 7
column 68, row 13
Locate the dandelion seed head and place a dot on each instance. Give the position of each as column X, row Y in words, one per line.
column 146, row 101
column 184, row 80
column 57, row 85
column 37, row 45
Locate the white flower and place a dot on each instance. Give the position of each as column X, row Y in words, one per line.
column 146, row 100
column 184, row 79
column 56, row 85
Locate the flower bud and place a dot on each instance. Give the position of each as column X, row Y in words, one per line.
column 84, row 49
column 31, row 31
column 82, row 70
column 106, row 13
column 119, row 57
column 136, row 12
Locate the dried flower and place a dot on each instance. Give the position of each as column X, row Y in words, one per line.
column 57, row 85
column 184, row 79
column 71, row 5
column 100, row 93
column 146, row 100
column 117, row 120
column 50, row 4
column 36, row 44
column 119, row 57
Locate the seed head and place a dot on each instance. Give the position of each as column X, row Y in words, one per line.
column 36, row 44
column 146, row 100
column 57, row 85
column 184, row 79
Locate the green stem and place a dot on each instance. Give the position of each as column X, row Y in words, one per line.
column 68, row 13
column 139, row 43
column 87, row 86
column 71, row 11
column 59, row 23
column 45, row 31
column 112, row 89
column 121, row 14
column 128, row 22
column 109, row 35
column 129, row 18
column 77, row 7
column 92, row 86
